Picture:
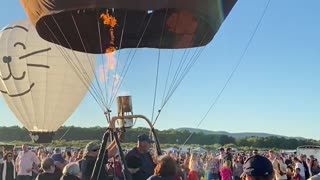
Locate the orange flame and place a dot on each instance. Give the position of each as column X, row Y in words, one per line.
column 108, row 20
column 111, row 65
column 111, row 22
column 103, row 70
column 110, row 49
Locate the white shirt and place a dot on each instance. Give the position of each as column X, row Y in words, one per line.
column 25, row 161
column 301, row 167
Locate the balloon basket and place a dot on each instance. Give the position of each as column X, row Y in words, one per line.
column 41, row 137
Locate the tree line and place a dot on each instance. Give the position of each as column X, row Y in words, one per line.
column 171, row 136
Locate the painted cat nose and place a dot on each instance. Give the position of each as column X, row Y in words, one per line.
column 6, row 59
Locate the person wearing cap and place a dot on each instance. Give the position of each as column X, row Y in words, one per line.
column 58, row 159
column 91, row 152
column 141, row 152
column 257, row 168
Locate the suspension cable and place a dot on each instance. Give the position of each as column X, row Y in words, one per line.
column 134, row 53
column 158, row 65
column 233, row 71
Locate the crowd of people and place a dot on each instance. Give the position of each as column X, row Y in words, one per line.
column 41, row 164
column 226, row 165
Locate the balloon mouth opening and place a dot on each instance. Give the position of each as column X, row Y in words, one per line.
column 160, row 29
column 41, row 137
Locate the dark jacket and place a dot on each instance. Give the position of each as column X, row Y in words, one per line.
column 147, row 167
column 48, row 176
column 306, row 170
column 87, row 165
column 161, row 178
column 69, row 177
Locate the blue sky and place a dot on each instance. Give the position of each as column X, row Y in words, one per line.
column 276, row 89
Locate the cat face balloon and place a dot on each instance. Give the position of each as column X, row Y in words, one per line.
column 37, row 82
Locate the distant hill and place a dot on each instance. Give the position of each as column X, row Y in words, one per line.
column 234, row 135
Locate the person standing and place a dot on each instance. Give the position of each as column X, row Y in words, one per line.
column 226, row 172
column 238, row 168
column 194, row 167
column 258, row 168
column 305, row 166
column 142, row 153
column 281, row 172
column 8, row 167
column 166, row 169
column 71, row 172
column 25, row 162
column 49, row 170
column 300, row 167
column 88, row 162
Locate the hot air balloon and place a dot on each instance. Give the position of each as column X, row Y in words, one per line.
column 176, row 29
column 113, row 26
column 172, row 24
column 37, row 83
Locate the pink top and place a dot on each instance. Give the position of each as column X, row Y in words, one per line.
column 25, row 161
column 226, row 173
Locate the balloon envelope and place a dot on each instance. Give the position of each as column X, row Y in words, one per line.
column 36, row 81
column 76, row 24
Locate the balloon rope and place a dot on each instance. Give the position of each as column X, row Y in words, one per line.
column 80, row 64
column 132, row 57
column 167, row 79
column 181, row 61
column 179, row 69
column 65, row 133
column 233, row 71
column 181, row 72
column 113, row 87
column 92, row 67
column 72, row 64
column 110, row 22
column 189, row 65
column 88, row 80
column 80, row 76
column 102, row 61
column 158, row 64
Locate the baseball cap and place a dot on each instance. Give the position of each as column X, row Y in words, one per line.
column 257, row 166
column 92, row 146
column 145, row 138
column 58, row 158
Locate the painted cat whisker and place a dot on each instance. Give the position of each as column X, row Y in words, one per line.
column 38, row 65
column 35, row 52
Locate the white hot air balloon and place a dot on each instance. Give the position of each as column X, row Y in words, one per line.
column 37, row 82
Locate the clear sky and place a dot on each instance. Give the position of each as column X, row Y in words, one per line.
column 276, row 89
